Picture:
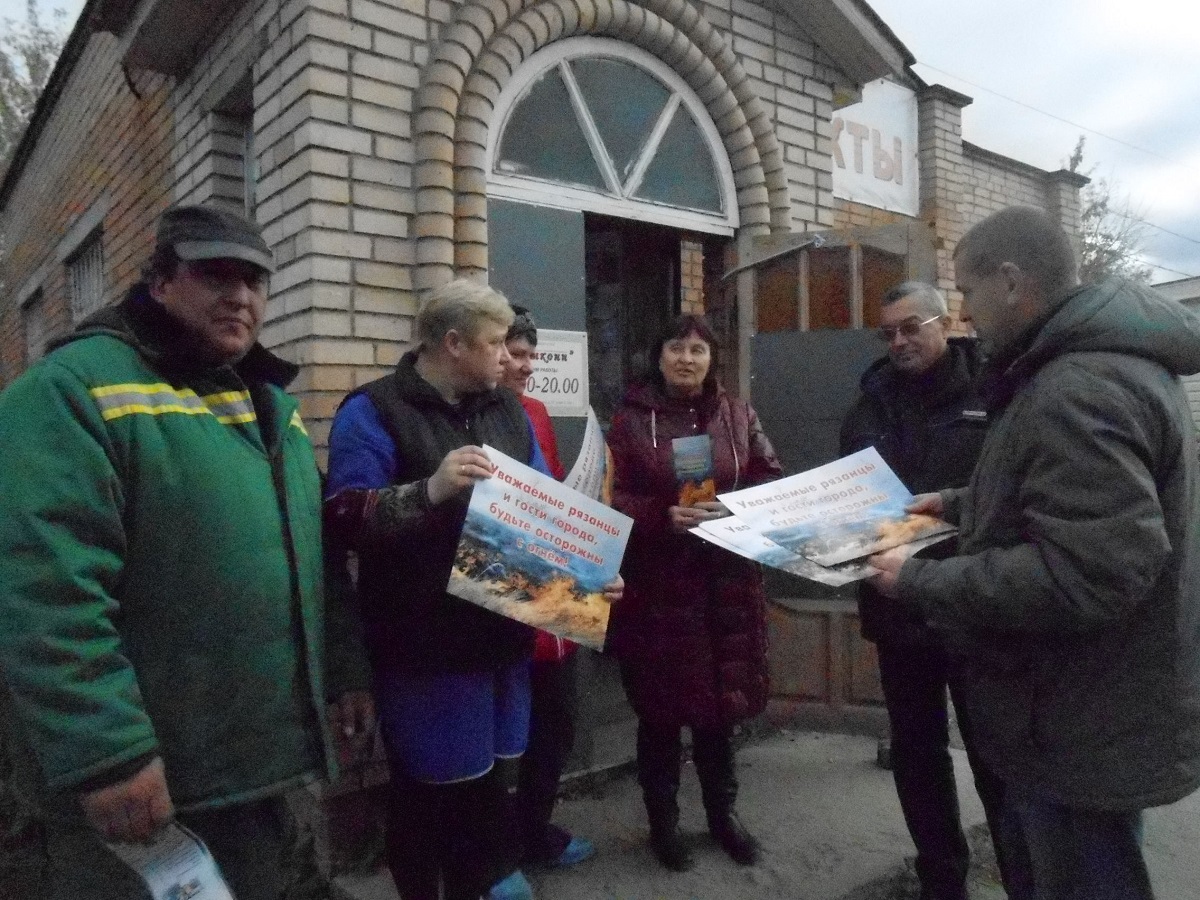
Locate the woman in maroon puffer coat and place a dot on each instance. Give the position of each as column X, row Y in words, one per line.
column 691, row 630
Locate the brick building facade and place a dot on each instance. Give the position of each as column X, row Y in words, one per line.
column 355, row 131
column 369, row 138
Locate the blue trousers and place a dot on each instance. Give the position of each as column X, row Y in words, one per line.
column 447, row 727
column 454, row 743
column 1056, row 852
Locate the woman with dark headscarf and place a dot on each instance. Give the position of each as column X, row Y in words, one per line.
column 691, row 631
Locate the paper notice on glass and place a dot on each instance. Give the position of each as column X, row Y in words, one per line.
column 736, row 536
column 175, row 866
column 560, row 377
column 845, row 510
column 536, row 551
column 587, row 475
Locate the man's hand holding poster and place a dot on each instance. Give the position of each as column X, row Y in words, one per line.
column 175, row 865
column 538, row 552
column 737, row 537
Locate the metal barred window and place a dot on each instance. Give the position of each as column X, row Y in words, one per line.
column 85, row 278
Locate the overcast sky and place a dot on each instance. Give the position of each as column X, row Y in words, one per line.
column 1122, row 73
column 15, row 9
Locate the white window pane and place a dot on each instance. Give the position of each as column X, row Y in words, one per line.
column 542, row 138
column 682, row 173
column 624, row 102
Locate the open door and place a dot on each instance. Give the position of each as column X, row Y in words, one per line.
column 620, row 280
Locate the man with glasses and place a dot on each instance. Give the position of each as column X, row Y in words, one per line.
column 161, row 581
column 920, row 408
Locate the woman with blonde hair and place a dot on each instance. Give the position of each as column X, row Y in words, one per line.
column 451, row 678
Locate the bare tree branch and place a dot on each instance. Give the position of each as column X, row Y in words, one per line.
column 1112, row 235
column 28, row 51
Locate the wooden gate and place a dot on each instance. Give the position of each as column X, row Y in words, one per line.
column 816, row 301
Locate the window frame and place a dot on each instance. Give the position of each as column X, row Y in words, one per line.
column 617, row 202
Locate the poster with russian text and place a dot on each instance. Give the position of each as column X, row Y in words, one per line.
column 736, row 536
column 847, row 509
column 536, row 551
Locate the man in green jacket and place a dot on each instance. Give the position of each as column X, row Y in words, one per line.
column 1075, row 595
column 165, row 647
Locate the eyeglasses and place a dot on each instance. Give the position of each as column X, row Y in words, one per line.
column 908, row 329
column 220, row 274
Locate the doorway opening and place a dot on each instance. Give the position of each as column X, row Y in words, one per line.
column 638, row 276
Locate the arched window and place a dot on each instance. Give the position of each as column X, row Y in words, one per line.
column 601, row 126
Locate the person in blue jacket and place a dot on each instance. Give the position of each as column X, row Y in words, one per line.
column 451, row 678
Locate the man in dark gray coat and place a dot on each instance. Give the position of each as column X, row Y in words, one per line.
column 1076, row 589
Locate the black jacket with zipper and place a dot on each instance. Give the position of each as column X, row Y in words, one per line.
column 929, row 428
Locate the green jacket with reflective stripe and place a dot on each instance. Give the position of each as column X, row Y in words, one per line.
column 160, row 569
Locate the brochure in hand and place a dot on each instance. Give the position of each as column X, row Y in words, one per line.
column 591, row 466
column 536, row 551
column 692, row 457
column 175, row 865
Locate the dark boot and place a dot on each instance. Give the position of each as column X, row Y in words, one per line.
column 665, row 839
column 414, row 843
column 659, row 758
column 713, row 755
column 482, row 832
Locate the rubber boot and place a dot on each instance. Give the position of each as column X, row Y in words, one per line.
column 659, row 758
column 713, row 755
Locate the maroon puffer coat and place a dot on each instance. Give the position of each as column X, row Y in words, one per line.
column 691, row 630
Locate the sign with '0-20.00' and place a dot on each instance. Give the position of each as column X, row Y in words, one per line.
column 560, row 372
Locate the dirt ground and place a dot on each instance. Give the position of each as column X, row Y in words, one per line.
column 830, row 826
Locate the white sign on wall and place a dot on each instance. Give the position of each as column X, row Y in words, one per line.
column 875, row 149
column 560, row 372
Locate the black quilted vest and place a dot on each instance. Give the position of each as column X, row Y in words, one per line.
column 413, row 625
